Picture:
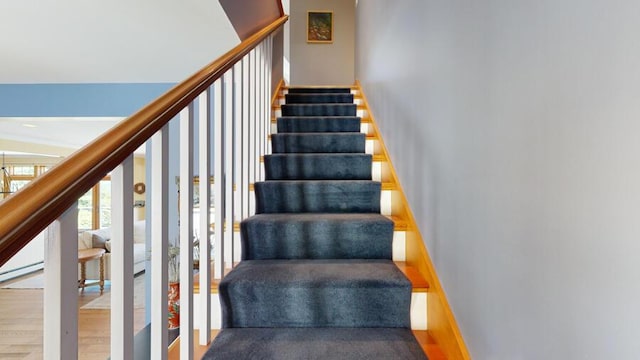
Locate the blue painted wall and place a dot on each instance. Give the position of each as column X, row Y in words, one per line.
column 77, row 100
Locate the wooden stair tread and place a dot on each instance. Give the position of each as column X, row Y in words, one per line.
column 429, row 345
column 418, row 282
column 379, row 158
column 400, row 224
column 389, row 186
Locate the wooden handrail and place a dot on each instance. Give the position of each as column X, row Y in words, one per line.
column 29, row 211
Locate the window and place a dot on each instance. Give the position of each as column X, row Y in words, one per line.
column 94, row 207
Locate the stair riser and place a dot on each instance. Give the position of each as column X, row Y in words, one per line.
column 304, row 124
column 318, row 143
column 277, row 112
column 267, row 237
column 318, row 197
column 315, row 167
column 315, row 90
column 318, row 110
column 282, row 101
column 318, row 98
column 390, row 202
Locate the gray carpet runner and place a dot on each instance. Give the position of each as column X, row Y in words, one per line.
column 319, row 109
column 318, row 166
column 301, row 124
column 317, row 280
column 317, row 196
column 319, row 90
column 316, row 236
column 318, row 143
column 316, row 344
column 318, row 98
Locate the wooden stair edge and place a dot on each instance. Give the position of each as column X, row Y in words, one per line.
column 418, row 282
column 429, row 345
column 399, row 223
column 389, row 185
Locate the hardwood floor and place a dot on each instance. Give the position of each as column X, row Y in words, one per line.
column 21, row 324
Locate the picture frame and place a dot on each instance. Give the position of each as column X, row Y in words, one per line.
column 320, row 27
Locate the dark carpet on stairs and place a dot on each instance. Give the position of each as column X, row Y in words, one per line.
column 317, row 280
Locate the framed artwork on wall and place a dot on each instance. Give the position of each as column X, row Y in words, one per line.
column 320, row 27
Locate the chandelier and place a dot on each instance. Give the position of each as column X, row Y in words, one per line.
column 6, row 180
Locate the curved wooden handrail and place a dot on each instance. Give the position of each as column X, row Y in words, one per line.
column 29, row 211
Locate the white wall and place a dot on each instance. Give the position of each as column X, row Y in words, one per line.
column 76, row 41
column 514, row 129
column 322, row 64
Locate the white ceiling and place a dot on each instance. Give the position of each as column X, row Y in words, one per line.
column 50, row 135
column 110, row 41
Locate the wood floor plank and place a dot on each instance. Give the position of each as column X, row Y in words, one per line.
column 21, row 319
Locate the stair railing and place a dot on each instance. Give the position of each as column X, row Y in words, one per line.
column 233, row 95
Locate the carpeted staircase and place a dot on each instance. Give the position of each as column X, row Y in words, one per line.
column 317, row 280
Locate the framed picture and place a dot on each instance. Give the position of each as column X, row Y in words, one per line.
column 320, row 27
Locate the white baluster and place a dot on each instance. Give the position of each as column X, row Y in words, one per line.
column 204, row 151
column 252, row 127
column 122, row 260
column 245, row 138
column 258, row 117
column 260, row 111
column 186, row 232
column 218, row 176
column 270, row 77
column 61, row 287
column 159, row 242
column 228, row 168
column 265, row 104
column 238, row 170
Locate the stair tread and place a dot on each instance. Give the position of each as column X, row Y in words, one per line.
column 316, row 343
column 418, row 282
column 315, row 293
column 318, row 272
column 426, row 341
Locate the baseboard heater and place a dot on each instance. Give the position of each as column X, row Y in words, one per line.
column 21, row 271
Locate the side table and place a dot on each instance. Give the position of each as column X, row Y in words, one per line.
column 85, row 255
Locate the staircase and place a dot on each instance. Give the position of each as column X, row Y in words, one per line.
column 317, row 280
